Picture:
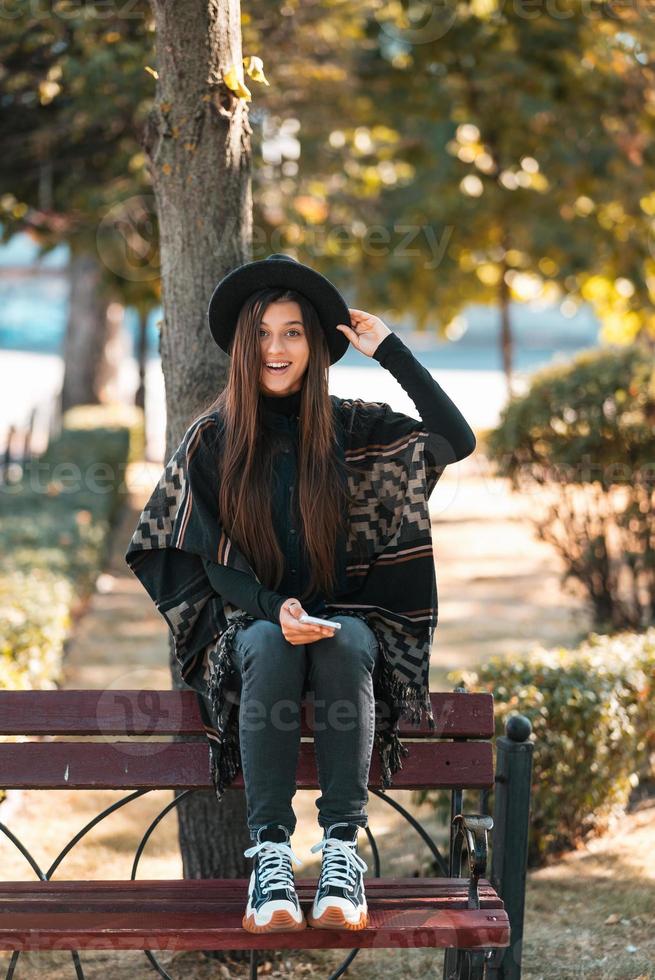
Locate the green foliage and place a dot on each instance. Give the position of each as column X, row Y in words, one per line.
column 54, row 529
column 590, row 419
column 125, row 422
column 483, row 157
column 592, row 711
column 443, row 162
column 76, row 94
column 35, row 620
column 584, row 431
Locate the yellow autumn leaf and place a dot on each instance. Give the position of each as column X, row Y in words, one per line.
column 48, row 90
column 152, row 71
column 255, row 68
column 234, row 83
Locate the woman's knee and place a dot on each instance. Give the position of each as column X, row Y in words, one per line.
column 354, row 642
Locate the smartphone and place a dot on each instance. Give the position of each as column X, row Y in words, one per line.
column 317, row 621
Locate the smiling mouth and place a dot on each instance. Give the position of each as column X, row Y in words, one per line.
column 277, row 370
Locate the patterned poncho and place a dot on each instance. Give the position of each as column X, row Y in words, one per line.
column 389, row 581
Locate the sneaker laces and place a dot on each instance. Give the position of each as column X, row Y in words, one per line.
column 340, row 862
column 274, row 866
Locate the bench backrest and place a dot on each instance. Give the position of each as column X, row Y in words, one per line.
column 456, row 754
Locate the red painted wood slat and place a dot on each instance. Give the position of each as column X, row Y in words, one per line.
column 191, row 914
column 149, row 712
column 192, row 892
column 173, row 765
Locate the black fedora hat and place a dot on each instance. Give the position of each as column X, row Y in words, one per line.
column 278, row 270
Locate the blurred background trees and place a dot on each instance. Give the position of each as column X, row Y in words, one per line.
column 484, row 154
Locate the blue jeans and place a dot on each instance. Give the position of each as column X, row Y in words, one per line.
column 336, row 674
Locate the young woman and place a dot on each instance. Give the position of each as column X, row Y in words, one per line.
column 285, row 499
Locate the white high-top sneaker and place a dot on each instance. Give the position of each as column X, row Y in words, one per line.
column 340, row 902
column 273, row 904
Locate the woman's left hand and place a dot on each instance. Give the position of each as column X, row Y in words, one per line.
column 368, row 332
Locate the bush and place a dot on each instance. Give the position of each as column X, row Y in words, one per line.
column 592, row 711
column 585, row 431
column 54, row 529
column 35, row 620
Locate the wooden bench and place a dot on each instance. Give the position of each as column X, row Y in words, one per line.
column 459, row 910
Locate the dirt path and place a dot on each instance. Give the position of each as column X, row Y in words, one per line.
column 499, row 587
column 499, row 592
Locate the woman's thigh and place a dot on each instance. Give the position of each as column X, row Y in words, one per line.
column 268, row 664
column 258, row 641
column 261, row 651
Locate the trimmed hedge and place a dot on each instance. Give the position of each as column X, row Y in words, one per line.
column 54, row 534
column 593, row 413
column 592, row 711
column 585, row 432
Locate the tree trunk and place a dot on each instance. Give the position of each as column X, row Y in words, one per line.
column 197, row 140
column 505, row 331
column 87, row 371
column 142, row 359
column 115, row 352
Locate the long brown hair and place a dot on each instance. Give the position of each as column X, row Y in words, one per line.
column 246, row 486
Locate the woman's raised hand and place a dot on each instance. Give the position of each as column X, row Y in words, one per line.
column 368, row 332
column 295, row 632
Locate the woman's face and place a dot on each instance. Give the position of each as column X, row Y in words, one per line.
column 283, row 341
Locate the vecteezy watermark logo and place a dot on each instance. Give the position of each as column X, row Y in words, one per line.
column 419, row 22
column 426, row 245
column 128, row 241
column 46, row 10
column 128, row 705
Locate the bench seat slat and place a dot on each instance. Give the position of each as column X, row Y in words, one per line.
column 113, row 893
column 403, row 913
column 182, row 765
column 146, row 712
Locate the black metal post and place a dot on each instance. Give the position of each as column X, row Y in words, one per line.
column 509, row 847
